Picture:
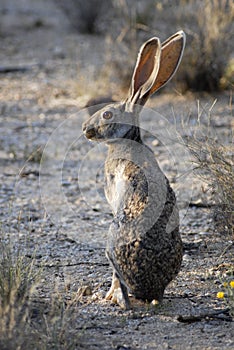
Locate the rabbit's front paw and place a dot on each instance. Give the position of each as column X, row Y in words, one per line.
column 118, row 294
column 117, row 297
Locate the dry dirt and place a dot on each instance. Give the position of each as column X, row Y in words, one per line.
column 55, row 210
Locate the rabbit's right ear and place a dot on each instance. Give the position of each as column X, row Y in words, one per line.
column 146, row 70
column 171, row 54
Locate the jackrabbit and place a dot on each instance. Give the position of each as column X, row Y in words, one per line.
column 144, row 245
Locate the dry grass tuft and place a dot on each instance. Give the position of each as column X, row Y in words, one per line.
column 28, row 321
column 18, row 280
column 214, row 164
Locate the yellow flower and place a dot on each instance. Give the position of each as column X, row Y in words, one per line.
column 220, row 295
column 225, row 284
column 232, row 284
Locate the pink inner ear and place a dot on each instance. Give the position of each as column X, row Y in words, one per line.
column 171, row 53
column 145, row 66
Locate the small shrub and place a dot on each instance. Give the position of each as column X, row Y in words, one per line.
column 214, row 163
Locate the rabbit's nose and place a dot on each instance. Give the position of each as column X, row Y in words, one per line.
column 89, row 131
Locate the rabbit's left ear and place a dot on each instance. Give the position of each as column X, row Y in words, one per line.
column 146, row 69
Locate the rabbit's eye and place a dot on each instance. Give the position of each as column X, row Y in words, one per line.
column 107, row 115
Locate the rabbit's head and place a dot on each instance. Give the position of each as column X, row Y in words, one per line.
column 111, row 122
column 155, row 65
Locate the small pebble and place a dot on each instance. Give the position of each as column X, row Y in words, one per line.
column 186, row 257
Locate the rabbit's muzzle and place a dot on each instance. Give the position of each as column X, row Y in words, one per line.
column 89, row 131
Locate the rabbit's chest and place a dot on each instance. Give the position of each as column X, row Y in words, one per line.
column 116, row 186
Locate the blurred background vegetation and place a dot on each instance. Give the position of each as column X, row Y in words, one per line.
column 208, row 63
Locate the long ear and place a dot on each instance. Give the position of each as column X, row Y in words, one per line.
column 146, row 69
column 172, row 51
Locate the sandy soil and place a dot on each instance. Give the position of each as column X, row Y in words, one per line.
column 61, row 217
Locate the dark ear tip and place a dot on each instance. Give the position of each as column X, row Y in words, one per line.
column 154, row 40
column 181, row 35
column 179, row 39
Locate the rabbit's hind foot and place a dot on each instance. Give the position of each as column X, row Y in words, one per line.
column 118, row 293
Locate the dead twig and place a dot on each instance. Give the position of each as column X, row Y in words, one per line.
column 226, row 249
column 13, row 69
column 206, row 315
column 75, row 264
column 19, row 68
column 200, row 205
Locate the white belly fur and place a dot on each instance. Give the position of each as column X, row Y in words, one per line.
column 116, row 187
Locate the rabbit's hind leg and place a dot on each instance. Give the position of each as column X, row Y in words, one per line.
column 114, row 285
column 118, row 293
